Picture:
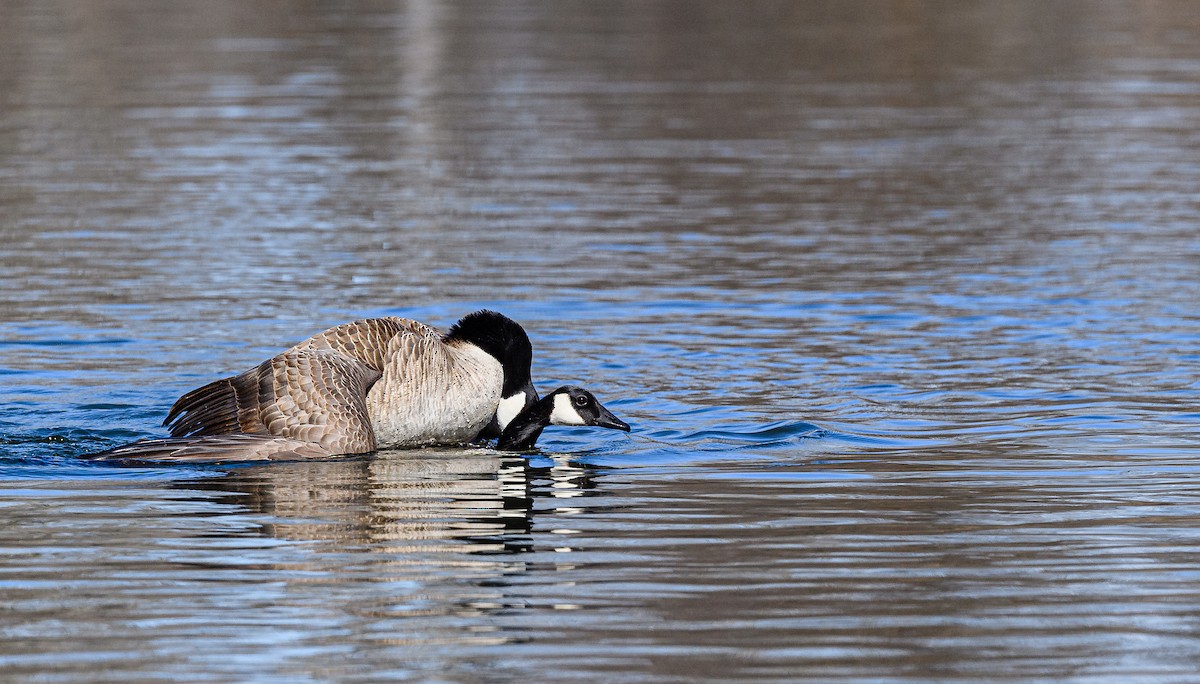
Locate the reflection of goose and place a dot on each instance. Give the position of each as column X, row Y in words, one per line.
column 408, row 501
column 416, row 547
column 375, row 383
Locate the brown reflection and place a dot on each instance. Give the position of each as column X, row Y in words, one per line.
column 400, row 502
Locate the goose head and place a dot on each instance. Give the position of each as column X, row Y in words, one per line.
column 567, row 405
column 505, row 340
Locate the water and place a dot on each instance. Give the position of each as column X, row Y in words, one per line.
column 899, row 298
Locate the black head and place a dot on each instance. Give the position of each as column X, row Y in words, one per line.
column 566, row 405
column 506, row 341
column 577, row 406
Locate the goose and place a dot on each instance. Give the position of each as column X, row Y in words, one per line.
column 567, row 405
column 357, row 387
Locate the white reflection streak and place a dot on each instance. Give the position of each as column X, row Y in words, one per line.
column 421, row 44
column 565, row 484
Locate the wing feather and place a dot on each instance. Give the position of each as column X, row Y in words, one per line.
column 366, row 340
column 215, row 449
column 314, row 395
column 315, row 392
column 318, row 395
column 280, row 394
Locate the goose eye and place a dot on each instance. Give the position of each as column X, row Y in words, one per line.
column 581, row 400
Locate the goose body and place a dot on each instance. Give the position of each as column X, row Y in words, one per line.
column 370, row 384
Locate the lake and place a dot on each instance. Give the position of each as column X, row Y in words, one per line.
column 900, row 299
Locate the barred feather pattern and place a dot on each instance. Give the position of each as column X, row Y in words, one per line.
column 372, row 383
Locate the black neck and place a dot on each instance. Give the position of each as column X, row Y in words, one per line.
column 523, row 431
column 504, row 339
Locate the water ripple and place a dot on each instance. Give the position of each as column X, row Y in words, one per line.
column 899, row 298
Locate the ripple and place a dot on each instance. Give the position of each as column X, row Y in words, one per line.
column 908, row 344
column 770, row 432
column 63, row 342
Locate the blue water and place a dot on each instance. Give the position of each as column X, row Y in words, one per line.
column 899, row 301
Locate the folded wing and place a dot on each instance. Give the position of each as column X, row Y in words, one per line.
column 314, row 392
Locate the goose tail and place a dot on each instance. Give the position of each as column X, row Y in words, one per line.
column 214, row 449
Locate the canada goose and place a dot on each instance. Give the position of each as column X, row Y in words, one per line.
column 566, row 405
column 374, row 383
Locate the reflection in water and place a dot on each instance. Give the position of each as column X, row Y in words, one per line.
column 387, row 559
column 398, row 501
column 899, row 295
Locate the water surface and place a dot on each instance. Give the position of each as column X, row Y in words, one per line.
column 899, row 298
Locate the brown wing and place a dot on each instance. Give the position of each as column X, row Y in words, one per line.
column 227, row 406
column 311, row 395
column 365, row 340
column 286, row 392
column 315, row 391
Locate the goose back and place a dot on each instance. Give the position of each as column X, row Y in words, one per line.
column 381, row 382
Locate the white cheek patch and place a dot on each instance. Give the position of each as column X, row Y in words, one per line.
column 564, row 412
column 509, row 408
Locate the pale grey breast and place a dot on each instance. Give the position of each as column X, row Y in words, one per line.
column 432, row 392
